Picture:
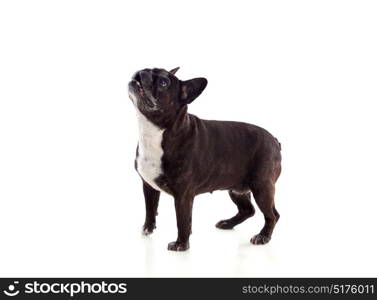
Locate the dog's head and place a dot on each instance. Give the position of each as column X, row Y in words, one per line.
column 159, row 94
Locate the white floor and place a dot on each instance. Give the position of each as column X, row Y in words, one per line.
column 315, row 236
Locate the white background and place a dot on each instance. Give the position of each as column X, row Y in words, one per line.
column 71, row 203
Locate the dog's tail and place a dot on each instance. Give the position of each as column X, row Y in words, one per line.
column 277, row 141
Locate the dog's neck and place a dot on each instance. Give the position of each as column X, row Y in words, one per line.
column 175, row 123
column 181, row 122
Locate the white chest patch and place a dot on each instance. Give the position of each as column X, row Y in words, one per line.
column 150, row 150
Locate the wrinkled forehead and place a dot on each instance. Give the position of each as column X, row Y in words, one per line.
column 159, row 72
column 162, row 73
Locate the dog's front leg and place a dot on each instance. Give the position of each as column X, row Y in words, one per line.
column 151, row 204
column 183, row 209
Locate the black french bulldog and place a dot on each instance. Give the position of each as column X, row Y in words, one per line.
column 184, row 156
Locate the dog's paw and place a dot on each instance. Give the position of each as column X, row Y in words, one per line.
column 178, row 246
column 260, row 239
column 148, row 229
column 224, row 224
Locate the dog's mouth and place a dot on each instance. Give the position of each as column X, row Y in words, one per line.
column 145, row 102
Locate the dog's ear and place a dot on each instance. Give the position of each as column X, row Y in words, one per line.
column 191, row 89
column 174, row 70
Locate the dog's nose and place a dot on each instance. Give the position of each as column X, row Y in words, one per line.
column 145, row 76
column 136, row 77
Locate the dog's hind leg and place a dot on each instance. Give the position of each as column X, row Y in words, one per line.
column 264, row 197
column 277, row 215
column 245, row 210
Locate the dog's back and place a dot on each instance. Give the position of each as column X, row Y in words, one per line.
column 222, row 154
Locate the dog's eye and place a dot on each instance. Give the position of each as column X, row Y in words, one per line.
column 163, row 82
